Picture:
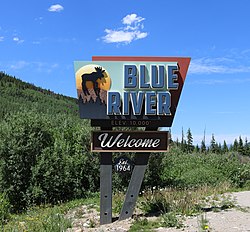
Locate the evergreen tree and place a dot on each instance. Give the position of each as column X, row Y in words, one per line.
column 235, row 145
column 197, row 149
column 190, row 146
column 246, row 148
column 225, row 147
column 240, row 146
column 213, row 144
column 177, row 142
column 203, row 146
column 219, row 149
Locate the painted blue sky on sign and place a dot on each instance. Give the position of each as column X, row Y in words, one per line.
column 39, row 40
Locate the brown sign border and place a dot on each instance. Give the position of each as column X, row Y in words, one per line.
column 163, row 135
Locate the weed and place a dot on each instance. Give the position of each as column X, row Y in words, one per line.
column 171, row 220
column 203, row 223
column 143, row 224
column 118, row 200
column 92, row 223
column 154, row 203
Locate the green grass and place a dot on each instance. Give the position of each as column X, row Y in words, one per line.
column 143, row 224
column 46, row 218
column 170, row 205
column 182, row 201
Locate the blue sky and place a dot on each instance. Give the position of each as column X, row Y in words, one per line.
column 39, row 40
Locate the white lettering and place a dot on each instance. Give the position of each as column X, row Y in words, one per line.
column 122, row 141
column 109, row 143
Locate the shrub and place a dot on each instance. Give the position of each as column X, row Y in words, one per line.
column 23, row 139
column 4, row 208
column 192, row 170
column 45, row 160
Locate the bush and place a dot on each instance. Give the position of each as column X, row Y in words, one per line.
column 4, row 209
column 67, row 170
column 192, row 170
column 45, row 160
column 23, row 139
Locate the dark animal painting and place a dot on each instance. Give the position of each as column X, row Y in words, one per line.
column 93, row 77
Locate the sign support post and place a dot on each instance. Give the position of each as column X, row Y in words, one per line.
column 141, row 161
column 105, row 186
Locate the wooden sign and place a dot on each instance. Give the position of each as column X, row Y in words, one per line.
column 129, row 141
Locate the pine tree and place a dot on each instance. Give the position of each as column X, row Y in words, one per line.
column 235, row 145
column 197, row 149
column 177, row 142
column 190, row 146
column 225, row 147
column 203, row 146
column 213, row 144
column 246, row 148
column 240, row 146
column 219, row 149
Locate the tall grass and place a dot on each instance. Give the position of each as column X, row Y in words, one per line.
column 46, row 218
column 181, row 201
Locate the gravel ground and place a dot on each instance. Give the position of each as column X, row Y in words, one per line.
column 232, row 220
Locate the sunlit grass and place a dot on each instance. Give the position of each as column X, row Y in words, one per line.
column 47, row 218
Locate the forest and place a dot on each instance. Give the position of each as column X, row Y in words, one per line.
column 45, row 155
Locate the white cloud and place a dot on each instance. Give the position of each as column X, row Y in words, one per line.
column 132, row 18
column 19, row 65
column 129, row 32
column 217, row 65
column 1, row 38
column 32, row 65
column 55, row 8
column 18, row 40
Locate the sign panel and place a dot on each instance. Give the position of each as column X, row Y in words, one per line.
column 130, row 91
column 129, row 141
column 123, row 165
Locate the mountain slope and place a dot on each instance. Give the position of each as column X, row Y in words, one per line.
column 17, row 95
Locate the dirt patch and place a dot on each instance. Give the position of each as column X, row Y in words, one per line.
column 86, row 218
column 231, row 220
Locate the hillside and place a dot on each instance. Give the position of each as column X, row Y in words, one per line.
column 45, row 158
column 17, row 95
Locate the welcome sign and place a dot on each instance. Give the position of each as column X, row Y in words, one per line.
column 127, row 141
column 130, row 91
